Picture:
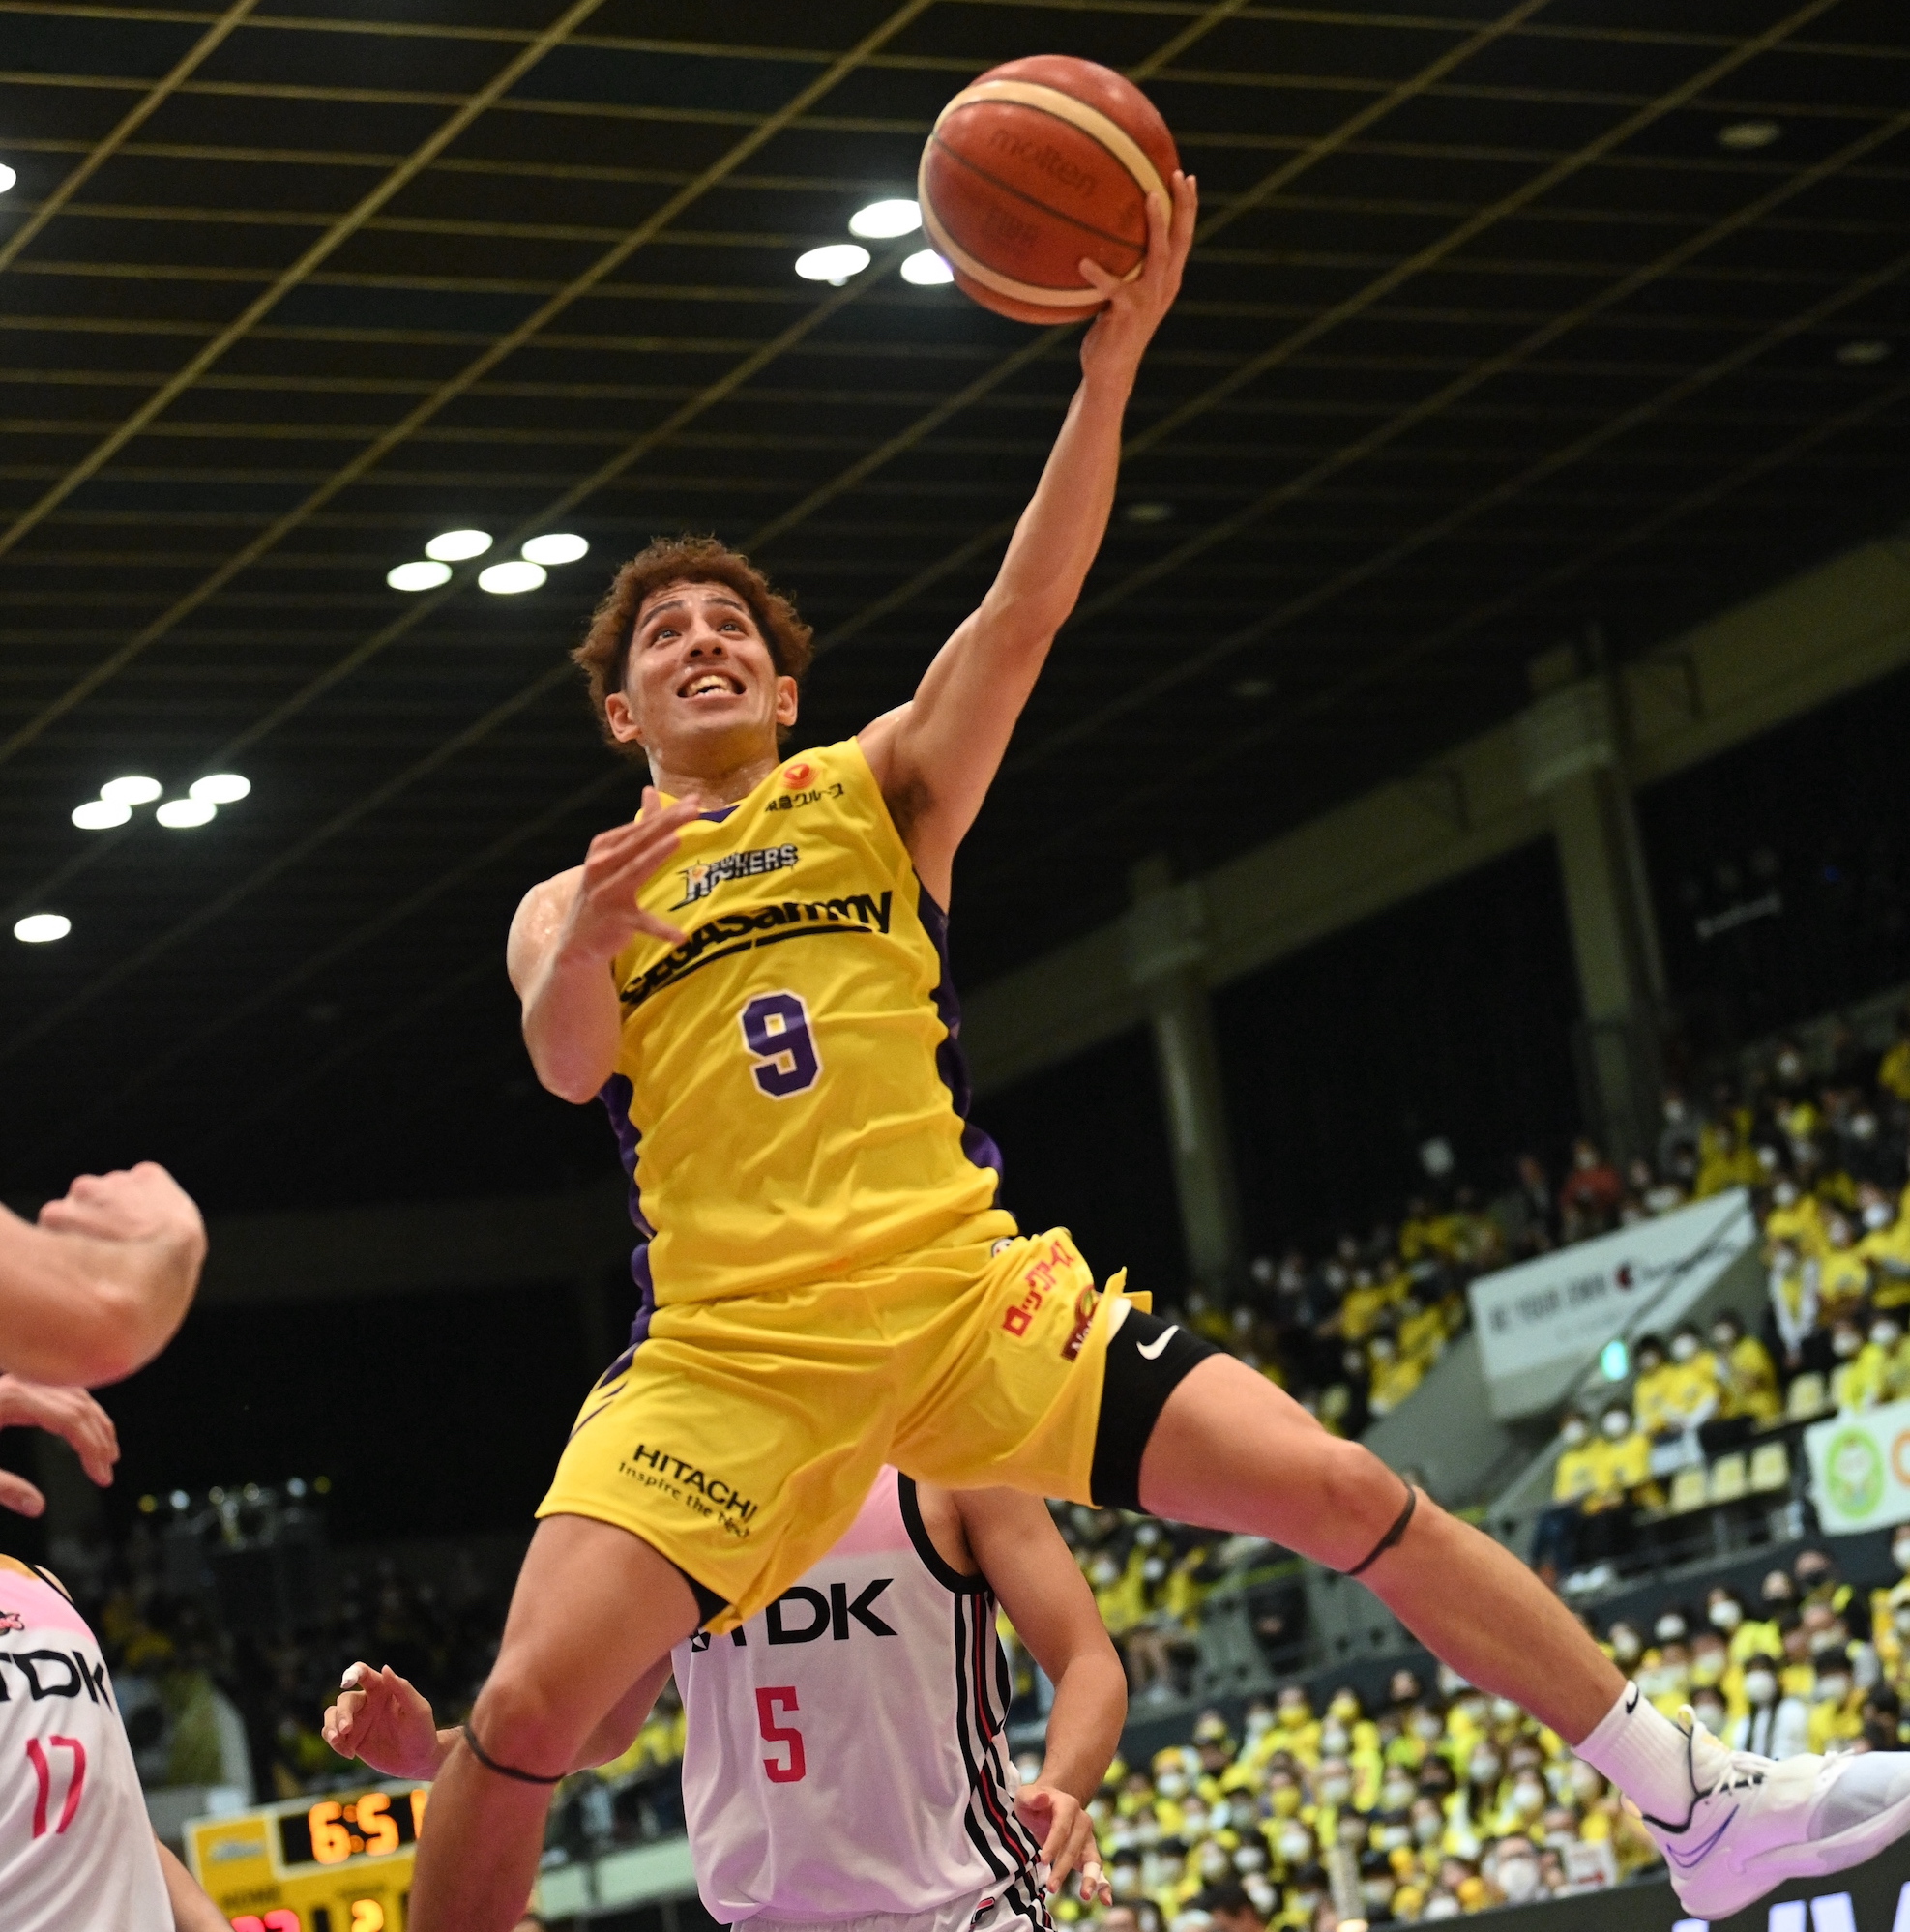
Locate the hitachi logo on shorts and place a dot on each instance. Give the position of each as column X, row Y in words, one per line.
column 691, row 1476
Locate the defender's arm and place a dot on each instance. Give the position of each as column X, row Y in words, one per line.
column 565, row 935
column 1029, row 1567
column 936, row 756
column 98, row 1286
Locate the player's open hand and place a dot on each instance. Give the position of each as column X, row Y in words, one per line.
column 1068, row 1840
column 68, row 1412
column 605, row 915
column 138, row 1203
column 382, row 1718
column 1118, row 335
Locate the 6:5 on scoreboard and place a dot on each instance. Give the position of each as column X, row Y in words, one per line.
column 341, row 1863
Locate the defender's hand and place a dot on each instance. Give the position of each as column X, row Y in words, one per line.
column 605, row 915
column 381, row 1718
column 1068, row 1840
column 1118, row 335
column 68, row 1412
column 139, row 1204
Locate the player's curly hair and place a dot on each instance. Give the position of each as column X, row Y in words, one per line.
column 604, row 650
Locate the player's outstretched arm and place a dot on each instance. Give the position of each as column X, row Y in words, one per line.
column 566, row 932
column 936, row 756
column 386, row 1721
column 1029, row 1567
column 101, row 1284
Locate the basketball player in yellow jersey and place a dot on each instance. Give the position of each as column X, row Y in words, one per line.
column 751, row 975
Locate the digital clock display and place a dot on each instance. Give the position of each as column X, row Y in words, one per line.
column 372, row 1825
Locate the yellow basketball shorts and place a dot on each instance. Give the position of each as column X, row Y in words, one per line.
column 740, row 1437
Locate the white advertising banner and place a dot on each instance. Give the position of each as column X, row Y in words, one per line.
column 1859, row 1468
column 1541, row 1324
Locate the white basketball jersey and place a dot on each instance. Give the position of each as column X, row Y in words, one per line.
column 842, row 1754
column 76, row 1848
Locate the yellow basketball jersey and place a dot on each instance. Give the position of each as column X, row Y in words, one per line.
column 789, row 1092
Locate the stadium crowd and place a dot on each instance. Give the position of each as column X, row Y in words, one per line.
column 1440, row 1802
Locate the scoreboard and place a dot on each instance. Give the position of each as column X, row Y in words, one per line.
column 338, row 1863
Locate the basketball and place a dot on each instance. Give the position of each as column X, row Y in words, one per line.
column 1036, row 164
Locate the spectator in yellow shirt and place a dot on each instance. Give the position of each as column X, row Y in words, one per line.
column 1690, row 1391
column 1795, row 1217
column 1729, row 1162
column 1885, row 1246
column 1648, row 1390
column 1858, row 1381
column 1747, row 1379
column 1844, row 1276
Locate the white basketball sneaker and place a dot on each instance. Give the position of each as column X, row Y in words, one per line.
column 1755, row 1822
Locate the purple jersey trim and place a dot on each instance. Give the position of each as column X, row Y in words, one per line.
column 949, row 1060
column 616, row 1095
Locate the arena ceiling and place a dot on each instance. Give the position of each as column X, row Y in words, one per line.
column 1504, row 322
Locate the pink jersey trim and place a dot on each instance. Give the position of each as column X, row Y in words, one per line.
column 878, row 1524
column 37, row 1605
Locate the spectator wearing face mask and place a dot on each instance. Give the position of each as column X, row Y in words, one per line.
column 1690, row 1394
column 1394, row 1373
column 1575, row 1479
column 1680, row 1133
column 1885, row 1246
column 1747, row 1379
column 1650, row 1362
column 1880, row 1370
column 1796, row 1217
column 1795, row 1304
column 1773, row 1720
column 1513, row 1867
column 1847, row 1387
column 1624, row 1645
column 1844, row 1276
column 1837, row 1714
column 1724, row 1611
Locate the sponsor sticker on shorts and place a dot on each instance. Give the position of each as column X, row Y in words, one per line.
column 699, row 1490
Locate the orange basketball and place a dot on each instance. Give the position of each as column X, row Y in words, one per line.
column 1040, row 162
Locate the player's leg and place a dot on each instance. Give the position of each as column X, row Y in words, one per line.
column 595, row 1608
column 1227, row 1449
column 1231, row 1450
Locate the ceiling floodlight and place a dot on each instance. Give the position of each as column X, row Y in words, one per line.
column 101, row 814
column 130, row 791
column 509, row 579
column 1863, row 355
column 884, row 220
column 220, row 788
column 181, row 815
column 560, row 547
column 1746, row 136
column 37, row 928
column 834, row 264
column 417, row 576
column 7, row 177
column 926, row 269
column 453, row 546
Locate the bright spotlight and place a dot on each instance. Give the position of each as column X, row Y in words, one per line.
column 417, row 576
column 884, row 220
column 38, row 929
column 101, row 814
column 453, row 546
column 509, row 579
column 130, row 791
column 926, row 269
column 560, row 547
column 182, row 814
column 220, row 788
column 7, row 177
column 834, row 264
